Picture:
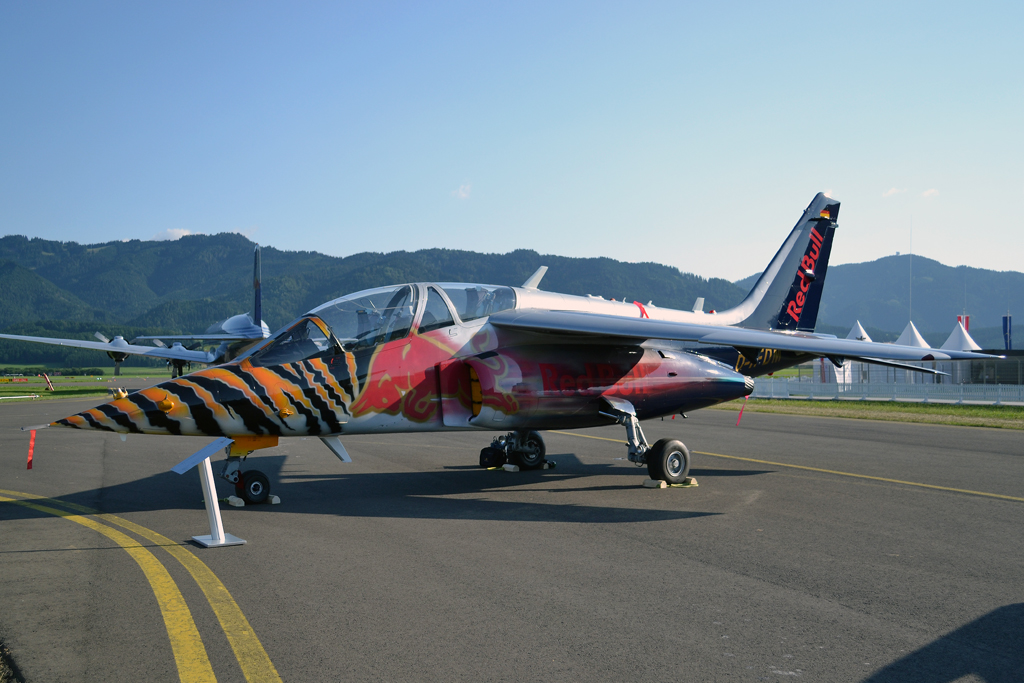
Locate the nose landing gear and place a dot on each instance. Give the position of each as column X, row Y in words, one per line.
column 251, row 486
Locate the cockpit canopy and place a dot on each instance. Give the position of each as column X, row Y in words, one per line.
column 376, row 316
column 371, row 317
column 478, row 301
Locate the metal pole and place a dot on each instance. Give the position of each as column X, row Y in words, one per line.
column 217, row 537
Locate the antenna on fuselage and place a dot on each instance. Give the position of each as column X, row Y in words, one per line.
column 533, row 282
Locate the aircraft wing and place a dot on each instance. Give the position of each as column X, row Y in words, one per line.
column 201, row 337
column 176, row 352
column 590, row 324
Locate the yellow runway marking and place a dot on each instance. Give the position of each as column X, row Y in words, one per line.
column 824, row 471
column 189, row 653
column 252, row 658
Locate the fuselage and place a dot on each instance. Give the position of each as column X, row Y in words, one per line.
column 423, row 357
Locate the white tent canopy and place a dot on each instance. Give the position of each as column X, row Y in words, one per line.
column 858, row 332
column 911, row 337
column 959, row 340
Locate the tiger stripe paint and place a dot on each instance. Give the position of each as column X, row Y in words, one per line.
column 312, row 397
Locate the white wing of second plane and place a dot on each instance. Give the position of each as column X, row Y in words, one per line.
column 119, row 345
column 590, row 324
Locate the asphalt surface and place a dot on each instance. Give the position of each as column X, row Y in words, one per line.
column 412, row 564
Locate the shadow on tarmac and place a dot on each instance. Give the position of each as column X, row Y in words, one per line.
column 432, row 494
column 988, row 648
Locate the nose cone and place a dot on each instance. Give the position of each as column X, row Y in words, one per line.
column 725, row 384
column 166, row 408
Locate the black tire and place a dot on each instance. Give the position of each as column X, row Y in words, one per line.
column 255, row 487
column 669, row 460
column 531, row 456
column 492, row 457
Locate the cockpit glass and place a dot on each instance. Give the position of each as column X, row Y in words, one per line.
column 479, row 301
column 372, row 317
column 303, row 340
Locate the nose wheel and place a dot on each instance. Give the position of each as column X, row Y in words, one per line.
column 253, row 487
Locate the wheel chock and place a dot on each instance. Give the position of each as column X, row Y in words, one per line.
column 549, row 465
column 655, row 484
column 274, row 500
column 509, row 467
column 235, row 502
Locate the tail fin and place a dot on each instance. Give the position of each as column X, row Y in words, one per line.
column 257, row 308
column 788, row 293
column 810, row 284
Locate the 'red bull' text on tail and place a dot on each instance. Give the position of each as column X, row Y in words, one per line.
column 788, row 293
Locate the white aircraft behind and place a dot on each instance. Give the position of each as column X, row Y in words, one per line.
column 236, row 335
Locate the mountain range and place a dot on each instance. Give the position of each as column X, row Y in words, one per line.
column 51, row 288
column 878, row 294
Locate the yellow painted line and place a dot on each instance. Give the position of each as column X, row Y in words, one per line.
column 588, row 436
column 252, row 658
column 189, row 653
column 824, row 471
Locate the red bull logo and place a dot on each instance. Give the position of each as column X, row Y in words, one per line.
column 805, row 276
column 597, row 378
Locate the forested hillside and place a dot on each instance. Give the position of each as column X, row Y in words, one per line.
column 185, row 285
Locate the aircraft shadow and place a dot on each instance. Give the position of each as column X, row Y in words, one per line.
column 988, row 648
column 433, row 494
column 705, row 472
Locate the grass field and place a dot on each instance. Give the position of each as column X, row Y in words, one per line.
column 70, row 387
column 1005, row 417
column 109, row 372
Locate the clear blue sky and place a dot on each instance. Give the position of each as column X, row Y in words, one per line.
column 687, row 134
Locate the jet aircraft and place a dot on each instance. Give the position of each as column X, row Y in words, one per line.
column 236, row 335
column 428, row 357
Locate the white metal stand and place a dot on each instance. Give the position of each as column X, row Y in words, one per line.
column 217, row 537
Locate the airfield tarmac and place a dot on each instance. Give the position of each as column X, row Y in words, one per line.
column 412, row 564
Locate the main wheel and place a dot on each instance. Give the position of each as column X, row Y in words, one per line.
column 669, row 460
column 255, row 487
column 531, row 451
column 491, row 457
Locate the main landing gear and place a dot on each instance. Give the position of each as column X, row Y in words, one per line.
column 667, row 460
column 524, row 449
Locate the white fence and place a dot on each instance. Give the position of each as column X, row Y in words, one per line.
column 766, row 387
